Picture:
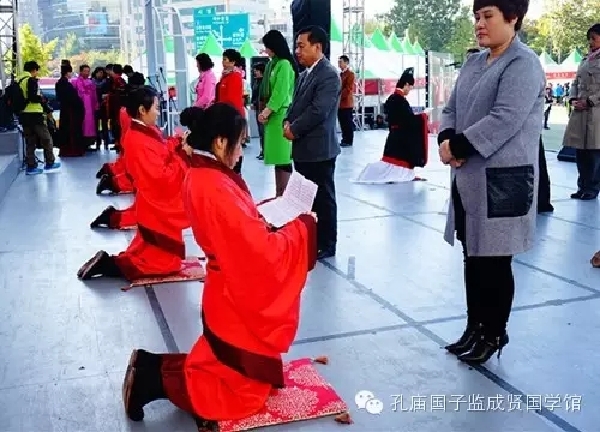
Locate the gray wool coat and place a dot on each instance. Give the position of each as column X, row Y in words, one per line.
column 499, row 108
column 583, row 129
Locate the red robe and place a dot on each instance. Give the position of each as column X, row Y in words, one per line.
column 126, row 218
column 158, row 171
column 119, row 219
column 251, row 298
column 231, row 90
column 125, row 120
column 121, row 181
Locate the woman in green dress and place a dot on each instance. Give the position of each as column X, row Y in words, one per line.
column 276, row 92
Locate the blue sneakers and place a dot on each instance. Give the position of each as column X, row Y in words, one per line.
column 34, row 171
column 55, row 165
column 47, row 167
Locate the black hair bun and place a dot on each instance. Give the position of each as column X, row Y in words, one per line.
column 191, row 118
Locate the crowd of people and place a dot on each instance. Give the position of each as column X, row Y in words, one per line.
column 192, row 180
column 289, row 107
column 90, row 105
column 490, row 137
column 89, row 115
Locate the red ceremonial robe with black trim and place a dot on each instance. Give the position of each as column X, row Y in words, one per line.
column 158, row 169
column 251, row 296
column 122, row 182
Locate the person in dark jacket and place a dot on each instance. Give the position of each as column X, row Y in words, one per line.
column 108, row 71
column 128, row 71
column 99, row 77
column 70, row 134
column 258, row 70
column 115, row 100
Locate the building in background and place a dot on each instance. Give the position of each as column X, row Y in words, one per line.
column 281, row 19
column 96, row 24
column 101, row 25
column 259, row 11
column 29, row 13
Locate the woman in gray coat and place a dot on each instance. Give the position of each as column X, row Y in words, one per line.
column 583, row 129
column 490, row 133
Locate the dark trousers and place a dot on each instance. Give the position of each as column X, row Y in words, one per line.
column 325, row 206
column 261, row 131
column 546, row 116
column 345, row 117
column 33, row 134
column 544, row 185
column 490, row 288
column 115, row 128
column 588, row 167
column 489, row 282
column 238, row 166
column 102, row 132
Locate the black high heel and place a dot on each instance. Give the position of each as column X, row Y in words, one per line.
column 484, row 349
column 471, row 335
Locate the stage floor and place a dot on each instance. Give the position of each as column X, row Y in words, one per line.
column 381, row 310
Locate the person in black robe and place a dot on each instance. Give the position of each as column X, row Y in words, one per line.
column 70, row 135
column 406, row 143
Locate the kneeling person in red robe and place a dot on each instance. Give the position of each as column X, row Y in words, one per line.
column 251, row 297
column 158, row 171
column 113, row 175
column 113, row 218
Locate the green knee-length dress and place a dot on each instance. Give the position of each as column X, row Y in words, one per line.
column 276, row 91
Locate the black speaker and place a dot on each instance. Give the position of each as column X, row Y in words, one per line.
column 307, row 13
column 567, row 154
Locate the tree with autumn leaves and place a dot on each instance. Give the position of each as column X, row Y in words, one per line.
column 562, row 29
column 447, row 26
column 31, row 47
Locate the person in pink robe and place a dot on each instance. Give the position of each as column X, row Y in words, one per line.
column 86, row 89
column 207, row 82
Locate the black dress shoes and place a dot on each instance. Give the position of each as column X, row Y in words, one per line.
column 584, row 196
column 326, row 253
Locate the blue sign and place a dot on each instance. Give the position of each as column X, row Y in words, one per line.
column 230, row 30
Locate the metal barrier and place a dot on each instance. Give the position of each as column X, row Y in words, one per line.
column 441, row 76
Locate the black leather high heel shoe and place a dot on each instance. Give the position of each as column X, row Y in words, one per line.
column 484, row 349
column 471, row 335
